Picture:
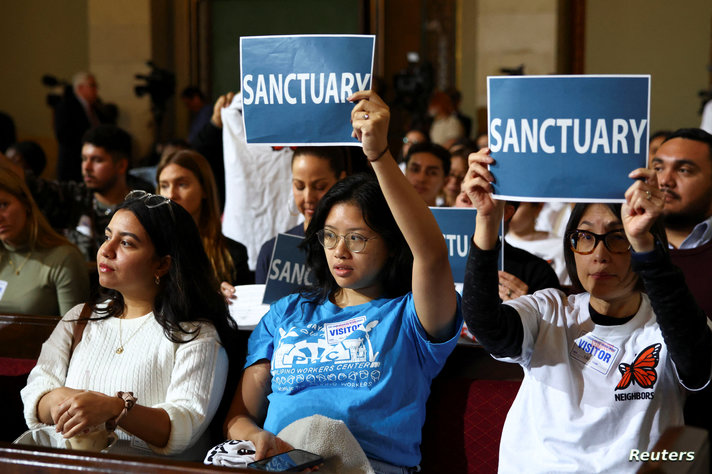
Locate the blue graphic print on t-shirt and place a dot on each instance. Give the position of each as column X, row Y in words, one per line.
column 339, row 353
column 368, row 365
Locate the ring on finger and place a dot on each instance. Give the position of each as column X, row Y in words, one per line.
column 509, row 294
column 365, row 116
column 648, row 195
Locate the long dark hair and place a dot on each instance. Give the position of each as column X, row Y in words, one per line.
column 189, row 292
column 335, row 155
column 210, row 225
column 658, row 231
column 363, row 191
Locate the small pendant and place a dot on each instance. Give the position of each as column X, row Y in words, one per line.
column 119, row 350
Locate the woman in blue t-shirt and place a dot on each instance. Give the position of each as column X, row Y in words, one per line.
column 364, row 343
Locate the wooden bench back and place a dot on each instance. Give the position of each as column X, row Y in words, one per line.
column 22, row 336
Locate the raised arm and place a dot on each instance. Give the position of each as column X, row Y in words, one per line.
column 497, row 327
column 433, row 286
column 682, row 322
column 643, row 206
column 478, row 189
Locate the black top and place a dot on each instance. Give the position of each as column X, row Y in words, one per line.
column 70, row 124
column 695, row 264
column 209, row 143
column 532, row 270
column 238, row 252
column 499, row 329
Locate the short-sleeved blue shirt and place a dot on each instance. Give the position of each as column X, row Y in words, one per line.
column 369, row 365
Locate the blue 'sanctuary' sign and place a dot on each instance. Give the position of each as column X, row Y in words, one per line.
column 567, row 138
column 294, row 88
column 457, row 225
column 288, row 271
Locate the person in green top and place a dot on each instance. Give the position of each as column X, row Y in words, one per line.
column 41, row 272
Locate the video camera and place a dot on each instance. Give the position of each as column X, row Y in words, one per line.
column 159, row 84
column 705, row 95
column 54, row 98
column 513, row 71
column 414, row 84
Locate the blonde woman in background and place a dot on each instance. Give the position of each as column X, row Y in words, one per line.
column 41, row 272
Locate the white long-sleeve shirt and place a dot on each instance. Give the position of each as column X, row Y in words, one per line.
column 186, row 380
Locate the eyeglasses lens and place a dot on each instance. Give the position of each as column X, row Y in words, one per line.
column 585, row 242
column 354, row 242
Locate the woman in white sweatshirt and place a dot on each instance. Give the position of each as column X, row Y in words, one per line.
column 150, row 360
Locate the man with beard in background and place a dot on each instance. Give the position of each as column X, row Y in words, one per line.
column 684, row 168
column 82, row 210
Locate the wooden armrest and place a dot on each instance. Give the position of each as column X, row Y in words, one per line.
column 15, row 458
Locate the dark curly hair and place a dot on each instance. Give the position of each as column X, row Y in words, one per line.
column 363, row 191
column 658, row 231
column 189, row 292
column 434, row 149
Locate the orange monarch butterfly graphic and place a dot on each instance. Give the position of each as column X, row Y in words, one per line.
column 642, row 370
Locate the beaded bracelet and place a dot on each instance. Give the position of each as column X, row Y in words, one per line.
column 129, row 402
column 379, row 156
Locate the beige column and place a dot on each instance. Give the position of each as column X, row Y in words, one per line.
column 502, row 33
column 119, row 45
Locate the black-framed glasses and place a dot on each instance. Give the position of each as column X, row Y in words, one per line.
column 584, row 242
column 149, row 200
column 354, row 241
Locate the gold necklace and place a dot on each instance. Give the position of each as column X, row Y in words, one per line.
column 120, row 349
column 18, row 269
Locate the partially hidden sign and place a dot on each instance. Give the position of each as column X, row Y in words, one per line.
column 294, row 88
column 457, row 225
column 567, row 138
column 288, row 271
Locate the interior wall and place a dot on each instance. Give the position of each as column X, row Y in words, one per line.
column 234, row 18
column 163, row 45
column 39, row 37
column 181, row 64
column 465, row 61
column 498, row 34
column 61, row 37
column 668, row 40
column 403, row 20
column 120, row 43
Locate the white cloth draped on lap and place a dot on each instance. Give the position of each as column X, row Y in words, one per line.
column 330, row 439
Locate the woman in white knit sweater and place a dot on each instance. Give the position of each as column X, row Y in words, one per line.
column 156, row 331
